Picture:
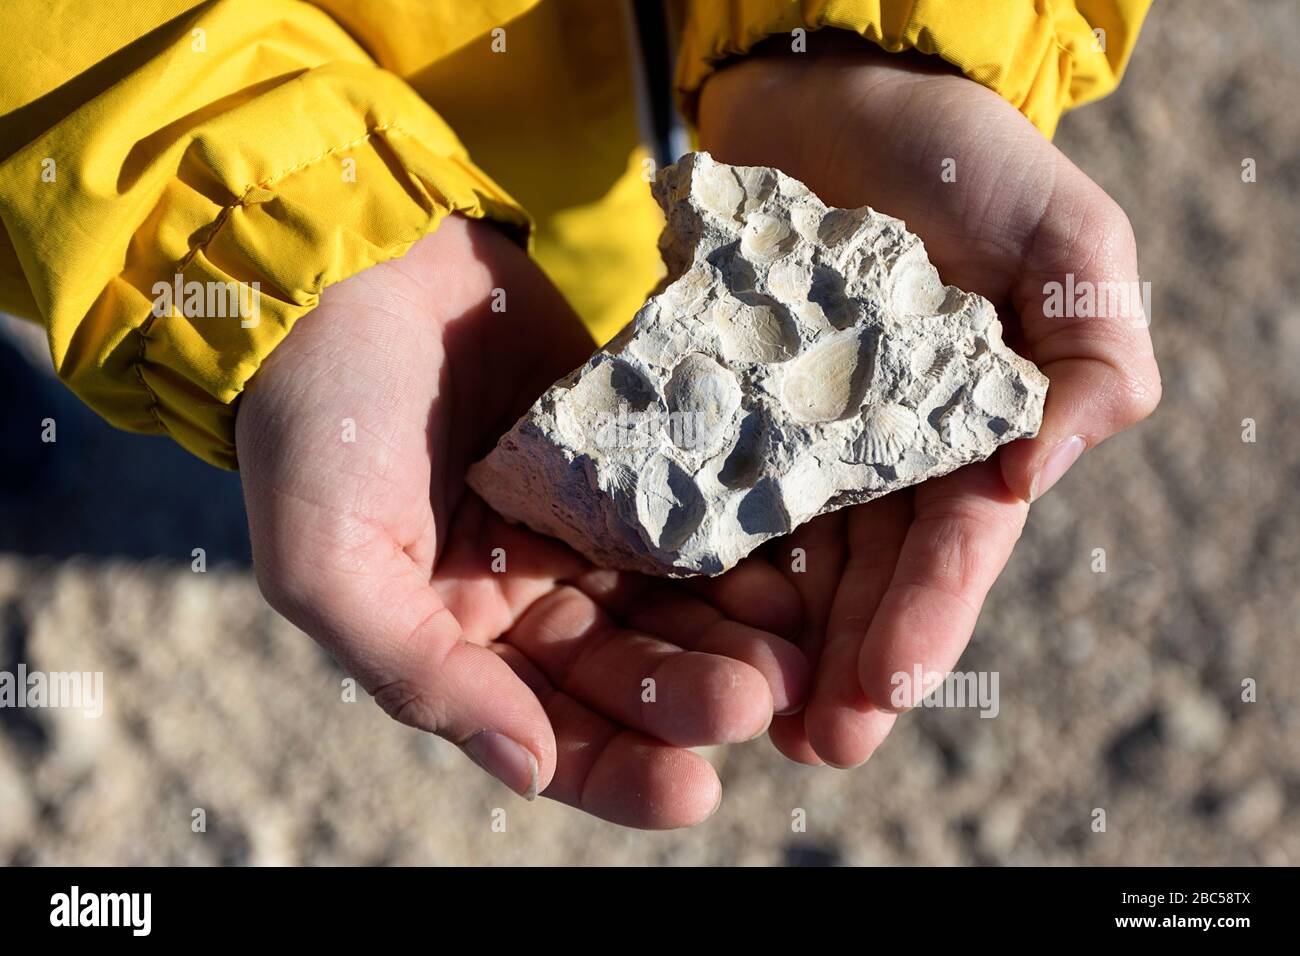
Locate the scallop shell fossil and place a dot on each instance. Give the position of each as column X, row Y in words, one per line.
column 887, row 431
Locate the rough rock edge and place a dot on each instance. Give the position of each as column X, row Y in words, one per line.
column 908, row 380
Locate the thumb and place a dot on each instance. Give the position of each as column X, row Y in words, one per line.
column 386, row 625
column 434, row 680
column 1084, row 314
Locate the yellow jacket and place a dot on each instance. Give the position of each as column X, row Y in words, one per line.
column 293, row 144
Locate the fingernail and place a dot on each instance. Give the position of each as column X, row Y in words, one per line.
column 513, row 765
column 767, row 725
column 1057, row 464
column 716, row 806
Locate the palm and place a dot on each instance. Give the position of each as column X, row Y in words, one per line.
column 898, row 582
column 455, row 620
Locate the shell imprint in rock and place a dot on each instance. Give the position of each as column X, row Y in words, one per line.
column 798, row 359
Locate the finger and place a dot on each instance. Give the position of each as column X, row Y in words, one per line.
column 816, row 563
column 682, row 697
column 617, row 774
column 667, row 611
column 843, row 726
column 753, row 593
column 790, row 738
column 812, row 558
column 960, row 538
column 685, row 620
column 1084, row 319
column 491, row 597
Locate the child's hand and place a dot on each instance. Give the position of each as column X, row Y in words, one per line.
column 377, row 549
column 899, row 581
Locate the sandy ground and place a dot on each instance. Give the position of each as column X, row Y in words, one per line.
column 1119, row 690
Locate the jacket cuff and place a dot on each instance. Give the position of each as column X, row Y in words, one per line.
column 1039, row 55
column 267, row 204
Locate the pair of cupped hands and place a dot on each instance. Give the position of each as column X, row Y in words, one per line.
column 378, row 549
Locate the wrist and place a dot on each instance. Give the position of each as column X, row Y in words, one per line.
column 782, row 108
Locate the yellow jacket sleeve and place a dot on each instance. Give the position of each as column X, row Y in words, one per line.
column 153, row 143
column 1042, row 56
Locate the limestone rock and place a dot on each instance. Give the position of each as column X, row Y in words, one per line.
column 797, row 359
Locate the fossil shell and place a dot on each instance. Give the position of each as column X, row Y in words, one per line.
column 691, row 289
column 702, row 396
column 886, row 433
column 754, row 333
column 827, row 383
column 788, row 281
column 668, row 503
column 944, row 427
column 839, row 226
column 806, row 218
column 619, row 481
column 997, row 391
column 930, row 364
column 758, row 183
column 915, row 287
column 765, row 238
column 609, row 386
column 717, row 190
column 604, row 404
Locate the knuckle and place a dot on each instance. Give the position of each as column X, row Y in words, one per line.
column 1113, row 230
column 1082, row 229
column 407, row 703
column 1141, row 396
column 954, row 560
